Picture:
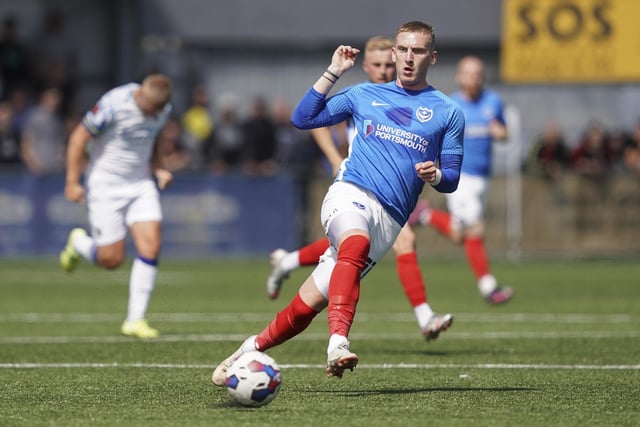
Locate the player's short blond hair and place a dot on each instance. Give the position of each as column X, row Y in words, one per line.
column 419, row 27
column 378, row 43
column 157, row 88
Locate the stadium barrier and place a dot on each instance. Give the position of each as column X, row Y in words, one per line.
column 203, row 215
column 238, row 215
column 575, row 217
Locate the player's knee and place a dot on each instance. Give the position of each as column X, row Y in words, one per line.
column 110, row 260
column 112, row 264
column 354, row 250
column 475, row 231
column 405, row 242
column 457, row 236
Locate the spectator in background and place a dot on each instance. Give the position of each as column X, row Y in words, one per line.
column 632, row 151
column 259, row 140
column 294, row 150
column 21, row 106
column 224, row 154
column 170, row 150
column 56, row 55
column 549, row 156
column 14, row 59
column 617, row 142
column 43, row 139
column 590, row 158
column 9, row 139
column 197, row 124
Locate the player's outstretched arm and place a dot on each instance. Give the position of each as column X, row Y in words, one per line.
column 343, row 59
column 73, row 189
column 311, row 112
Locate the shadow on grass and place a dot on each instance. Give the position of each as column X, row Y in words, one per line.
column 231, row 404
column 438, row 353
column 352, row 393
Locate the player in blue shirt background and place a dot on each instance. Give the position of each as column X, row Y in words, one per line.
column 409, row 134
column 464, row 223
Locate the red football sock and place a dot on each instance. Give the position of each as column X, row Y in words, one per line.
column 310, row 254
column 287, row 324
column 477, row 256
column 441, row 221
column 411, row 278
column 344, row 285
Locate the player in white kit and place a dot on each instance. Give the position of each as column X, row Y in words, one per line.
column 121, row 194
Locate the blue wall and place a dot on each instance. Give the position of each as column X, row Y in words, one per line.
column 203, row 215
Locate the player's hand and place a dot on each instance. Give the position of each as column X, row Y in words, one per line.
column 343, row 59
column 426, row 171
column 164, row 178
column 74, row 192
column 497, row 130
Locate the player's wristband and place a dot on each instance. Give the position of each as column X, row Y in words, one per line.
column 335, row 76
column 331, row 79
column 438, row 178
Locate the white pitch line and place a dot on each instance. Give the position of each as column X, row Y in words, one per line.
column 318, row 366
column 484, row 335
column 569, row 318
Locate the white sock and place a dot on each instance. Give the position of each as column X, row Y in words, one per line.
column 425, row 218
column 290, row 262
column 487, row 284
column 86, row 247
column 423, row 313
column 141, row 283
column 335, row 341
column 249, row 344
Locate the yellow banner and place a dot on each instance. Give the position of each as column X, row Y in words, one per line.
column 570, row 41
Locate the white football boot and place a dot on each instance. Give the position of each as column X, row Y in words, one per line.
column 278, row 274
column 219, row 376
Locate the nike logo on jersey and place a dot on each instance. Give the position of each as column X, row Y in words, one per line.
column 378, row 104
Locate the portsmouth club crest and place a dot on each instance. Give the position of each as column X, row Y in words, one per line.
column 424, row 114
column 368, row 128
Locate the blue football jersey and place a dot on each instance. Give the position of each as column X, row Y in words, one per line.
column 395, row 129
column 478, row 115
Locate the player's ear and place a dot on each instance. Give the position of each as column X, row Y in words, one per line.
column 434, row 57
column 393, row 54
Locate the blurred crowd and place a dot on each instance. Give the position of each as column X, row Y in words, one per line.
column 261, row 143
column 37, row 92
column 598, row 153
column 38, row 109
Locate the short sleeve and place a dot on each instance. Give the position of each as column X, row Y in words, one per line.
column 99, row 117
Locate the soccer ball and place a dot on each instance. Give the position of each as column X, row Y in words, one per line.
column 253, row 379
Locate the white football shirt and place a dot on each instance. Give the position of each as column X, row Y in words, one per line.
column 123, row 138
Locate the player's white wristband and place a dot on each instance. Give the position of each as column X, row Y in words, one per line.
column 438, row 178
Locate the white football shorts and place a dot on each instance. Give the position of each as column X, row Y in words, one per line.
column 466, row 204
column 113, row 209
column 348, row 206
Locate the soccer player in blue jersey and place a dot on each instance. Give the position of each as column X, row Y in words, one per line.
column 409, row 134
column 464, row 223
column 380, row 68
